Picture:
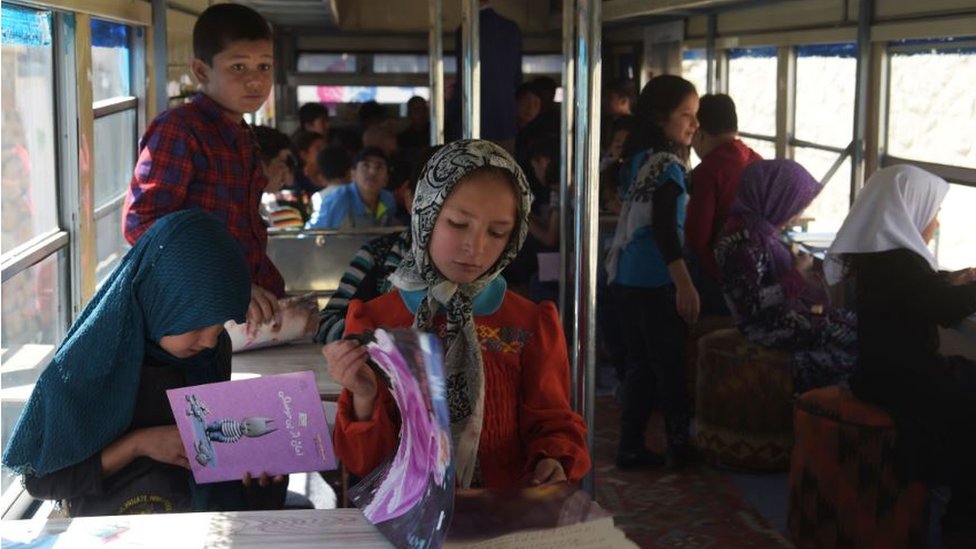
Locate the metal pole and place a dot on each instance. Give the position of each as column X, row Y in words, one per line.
column 436, row 69
column 471, row 83
column 583, row 336
column 710, row 53
column 567, row 222
column 861, row 84
column 159, row 54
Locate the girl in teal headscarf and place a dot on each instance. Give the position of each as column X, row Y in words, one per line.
column 97, row 430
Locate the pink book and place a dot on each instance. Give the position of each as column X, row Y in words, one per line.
column 273, row 424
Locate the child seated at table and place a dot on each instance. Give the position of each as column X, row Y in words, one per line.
column 98, row 430
column 776, row 298
column 507, row 372
column 901, row 298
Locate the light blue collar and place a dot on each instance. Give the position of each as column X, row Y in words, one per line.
column 486, row 302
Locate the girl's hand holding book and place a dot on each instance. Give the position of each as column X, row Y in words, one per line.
column 548, row 471
column 347, row 363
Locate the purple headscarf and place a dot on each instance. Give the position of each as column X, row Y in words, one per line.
column 770, row 194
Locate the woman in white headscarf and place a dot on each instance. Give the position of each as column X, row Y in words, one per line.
column 901, row 298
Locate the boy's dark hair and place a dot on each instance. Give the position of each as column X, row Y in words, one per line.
column 334, row 162
column 221, row 24
column 716, row 114
column 371, row 112
column 306, row 139
column 546, row 89
column 525, row 88
column 623, row 88
column 310, row 112
column 271, row 142
column 371, row 152
column 627, row 122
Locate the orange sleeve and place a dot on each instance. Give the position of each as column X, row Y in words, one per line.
column 547, row 424
column 363, row 445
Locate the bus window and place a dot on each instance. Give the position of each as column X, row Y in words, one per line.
column 694, row 68
column 752, row 85
column 326, row 62
column 956, row 239
column 825, row 77
column 29, row 137
column 115, row 138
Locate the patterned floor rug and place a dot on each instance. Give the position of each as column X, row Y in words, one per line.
column 693, row 508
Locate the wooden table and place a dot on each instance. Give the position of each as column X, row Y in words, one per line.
column 295, row 357
column 240, row 530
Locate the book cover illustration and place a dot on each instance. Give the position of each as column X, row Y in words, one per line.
column 273, row 424
column 410, row 498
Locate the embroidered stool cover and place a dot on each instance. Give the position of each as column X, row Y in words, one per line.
column 744, row 415
column 706, row 324
column 843, row 488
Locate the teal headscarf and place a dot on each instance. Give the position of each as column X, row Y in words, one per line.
column 184, row 273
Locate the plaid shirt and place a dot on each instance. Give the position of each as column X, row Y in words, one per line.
column 193, row 156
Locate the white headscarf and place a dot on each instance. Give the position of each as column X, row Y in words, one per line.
column 892, row 210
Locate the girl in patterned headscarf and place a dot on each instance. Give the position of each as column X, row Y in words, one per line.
column 98, row 430
column 505, row 357
column 776, row 298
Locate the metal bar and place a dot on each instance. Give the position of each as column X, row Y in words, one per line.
column 582, row 339
column 68, row 153
column 770, row 138
column 471, row 79
column 861, row 83
column 808, row 145
column 711, row 31
column 955, row 174
column 302, row 233
column 844, row 154
column 159, row 54
column 25, row 257
column 435, row 59
column 110, row 206
column 919, row 48
column 565, row 167
column 785, row 101
column 113, row 105
column 83, row 236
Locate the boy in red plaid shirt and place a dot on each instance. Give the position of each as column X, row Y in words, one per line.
column 203, row 155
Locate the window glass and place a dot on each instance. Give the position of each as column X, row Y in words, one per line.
column 829, row 209
column 543, row 63
column 400, row 63
column 29, row 173
column 957, row 227
column 31, row 331
column 825, row 77
column 764, row 148
column 752, row 85
column 932, row 105
column 694, row 68
column 111, row 76
column 332, row 95
column 110, row 243
column 326, row 62
column 115, row 155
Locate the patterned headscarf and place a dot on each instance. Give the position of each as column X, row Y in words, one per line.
column 186, row 272
column 770, row 194
column 463, row 363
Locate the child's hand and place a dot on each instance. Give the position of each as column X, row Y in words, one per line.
column 347, row 366
column 162, row 444
column 269, row 493
column 547, row 471
column 963, row 276
column 687, row 302
column 264, row 308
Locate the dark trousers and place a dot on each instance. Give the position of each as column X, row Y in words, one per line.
column 655, row 340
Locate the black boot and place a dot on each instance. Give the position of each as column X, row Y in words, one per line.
column 676, row 427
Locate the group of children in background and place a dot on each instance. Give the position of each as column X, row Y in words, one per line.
column 204, row 179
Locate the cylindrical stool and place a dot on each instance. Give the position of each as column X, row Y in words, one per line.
column 744, row 410
column 843, row 488
column 706, row 324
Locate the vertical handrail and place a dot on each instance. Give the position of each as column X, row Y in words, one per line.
column 471, row 88
column 435, row 64
column 582, row 338
column 566, row 166
column 861, row 83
